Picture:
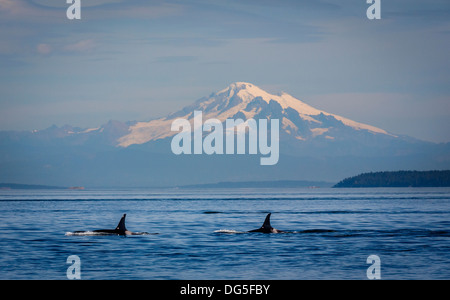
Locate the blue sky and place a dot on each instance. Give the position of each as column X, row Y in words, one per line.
column 137, row 60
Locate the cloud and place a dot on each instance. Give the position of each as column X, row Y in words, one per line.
column 175, row 59
column 322, row 48
column 81, row 46
column 399, row 113
column 140, row 10
column 44, row 49
column 186, row 41
column 51, row 11
column 14, row 10
column 62, row 3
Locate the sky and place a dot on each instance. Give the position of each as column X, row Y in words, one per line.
column 142, row 59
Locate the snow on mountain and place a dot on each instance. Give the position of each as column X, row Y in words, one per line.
column 314, row 145
column 245, row 100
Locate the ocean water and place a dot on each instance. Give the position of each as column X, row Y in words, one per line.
column 202, row 234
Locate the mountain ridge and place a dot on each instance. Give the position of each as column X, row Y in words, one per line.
column 246, row 100
column 315, row 147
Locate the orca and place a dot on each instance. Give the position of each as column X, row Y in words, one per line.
column 119, row 230
column 266, row 227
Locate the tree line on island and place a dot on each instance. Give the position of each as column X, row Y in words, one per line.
column 398, row 179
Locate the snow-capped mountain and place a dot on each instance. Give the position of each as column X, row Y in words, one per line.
column 313, row 145
column 245, row 101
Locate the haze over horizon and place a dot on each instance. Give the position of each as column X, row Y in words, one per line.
column 138, row 60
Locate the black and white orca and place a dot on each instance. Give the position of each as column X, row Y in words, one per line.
column 119, row 230
column 266, row 227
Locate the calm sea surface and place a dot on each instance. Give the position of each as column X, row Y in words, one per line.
column 201, row 234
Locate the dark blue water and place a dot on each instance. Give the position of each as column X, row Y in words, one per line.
column 202, row 233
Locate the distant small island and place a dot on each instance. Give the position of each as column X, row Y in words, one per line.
column 17, row 186
column 263, row 184
column 397, row 179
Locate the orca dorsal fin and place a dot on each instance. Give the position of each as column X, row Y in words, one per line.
column 121, row 225
column 267, row 222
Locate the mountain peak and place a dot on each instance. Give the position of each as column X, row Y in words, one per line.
column 247, row 100
column 241, row 85
column 247, row 91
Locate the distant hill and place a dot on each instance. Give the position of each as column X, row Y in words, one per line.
column 263, row 184
column 398, row 179
column 16, row 186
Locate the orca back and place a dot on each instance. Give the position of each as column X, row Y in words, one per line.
column 120, row 229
